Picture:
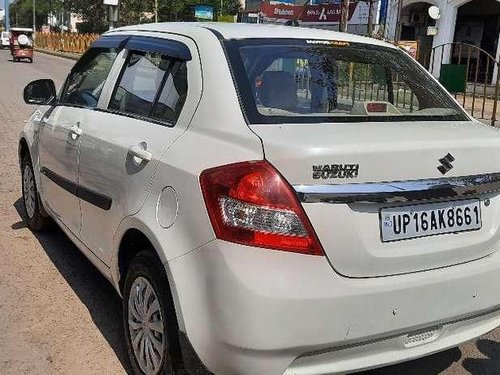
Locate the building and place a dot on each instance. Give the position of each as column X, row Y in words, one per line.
column 475, row 22
column 316, row 13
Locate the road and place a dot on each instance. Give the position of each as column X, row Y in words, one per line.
column 58, row 315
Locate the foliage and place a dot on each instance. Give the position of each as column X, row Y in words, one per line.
column 21, row 12
column 225, row 18
column 231, row 7
column 94, row 12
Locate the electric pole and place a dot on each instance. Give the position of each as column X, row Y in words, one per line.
column 156, row 11
column 6, row 14
column 34, row 15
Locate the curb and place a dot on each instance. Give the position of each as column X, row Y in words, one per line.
column 70, row 56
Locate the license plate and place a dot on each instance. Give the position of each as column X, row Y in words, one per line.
column 405, row 222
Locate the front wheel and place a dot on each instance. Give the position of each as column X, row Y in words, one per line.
column 149, row 318
column 34, row 217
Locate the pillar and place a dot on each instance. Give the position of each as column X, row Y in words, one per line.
column 446, row 34
column 495, row 70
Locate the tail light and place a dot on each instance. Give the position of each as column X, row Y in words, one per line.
column 250, row 203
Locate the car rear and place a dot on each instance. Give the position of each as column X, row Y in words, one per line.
column 4, row 39
column 367, row 236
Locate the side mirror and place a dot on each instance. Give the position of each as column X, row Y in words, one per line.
column 40, row 92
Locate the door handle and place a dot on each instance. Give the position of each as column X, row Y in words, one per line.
column 75, row 131
column 140, row 153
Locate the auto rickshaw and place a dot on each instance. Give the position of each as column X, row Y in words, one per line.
column 21, row 44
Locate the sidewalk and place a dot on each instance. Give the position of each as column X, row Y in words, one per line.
column 483, row 115
column 67, row 55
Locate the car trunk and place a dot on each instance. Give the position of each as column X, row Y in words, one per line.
column 350, row 233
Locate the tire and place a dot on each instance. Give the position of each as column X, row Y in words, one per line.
column 146, row 271
column 31, row 60
column 34, row 215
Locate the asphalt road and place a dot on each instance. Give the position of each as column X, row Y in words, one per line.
column 58, row 315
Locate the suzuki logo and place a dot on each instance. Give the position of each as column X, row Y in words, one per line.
column 446, row 165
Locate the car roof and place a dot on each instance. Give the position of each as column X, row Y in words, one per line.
column 248, row 31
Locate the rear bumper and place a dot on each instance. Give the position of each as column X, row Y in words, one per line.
column 249, row 311
column 365, row 356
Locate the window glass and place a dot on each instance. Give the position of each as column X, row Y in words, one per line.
column 322, row 81
column 152, row 85
column 85, row 83
column 173, row 94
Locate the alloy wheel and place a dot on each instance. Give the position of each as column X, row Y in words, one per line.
column 29, row 191
column 146, row 328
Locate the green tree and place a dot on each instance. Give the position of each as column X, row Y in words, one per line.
column 93, row 12
column 21, row 12
column 231, row 7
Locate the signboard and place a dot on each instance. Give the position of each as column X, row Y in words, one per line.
column 315, row 14
column 432, row 31
column 323, row 2
column 410, row 46
column 204, row 12
column 111, row 2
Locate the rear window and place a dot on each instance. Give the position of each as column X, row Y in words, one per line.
column 293, row 80
column 5, row 34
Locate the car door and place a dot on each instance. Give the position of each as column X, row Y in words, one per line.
column 151, row 104
column 60, row 134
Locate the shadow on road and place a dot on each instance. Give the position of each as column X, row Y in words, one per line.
column 431, row 365
column 101, row 300
column 486, row 366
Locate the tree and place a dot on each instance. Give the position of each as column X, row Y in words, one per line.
column 21, row 12
column 93, row 12
column 231, row 7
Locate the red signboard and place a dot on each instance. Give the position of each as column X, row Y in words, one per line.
column 328, row 13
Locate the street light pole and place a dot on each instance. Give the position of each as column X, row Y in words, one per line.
column 34, row 15
column 49, row 17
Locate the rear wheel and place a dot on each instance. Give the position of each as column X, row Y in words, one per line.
column 34, row 217
column 149, row 318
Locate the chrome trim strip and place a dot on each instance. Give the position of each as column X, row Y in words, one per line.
column 400, row 191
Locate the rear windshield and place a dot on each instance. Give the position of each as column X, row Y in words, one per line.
column 294, row 80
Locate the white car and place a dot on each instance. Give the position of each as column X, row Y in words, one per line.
column 270, row 199
column 5, row 39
